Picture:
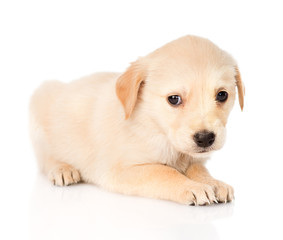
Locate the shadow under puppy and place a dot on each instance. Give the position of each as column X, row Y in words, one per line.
column 146, row 132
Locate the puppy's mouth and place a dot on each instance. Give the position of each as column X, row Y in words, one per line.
column 203, row 152
column 198, row 149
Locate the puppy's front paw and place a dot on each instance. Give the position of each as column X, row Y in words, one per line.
column 223, row 192
column 64, row 174
column 200, row 194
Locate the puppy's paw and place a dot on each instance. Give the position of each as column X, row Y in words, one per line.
column 200, row 194
column 223, row 192
column 64, row 174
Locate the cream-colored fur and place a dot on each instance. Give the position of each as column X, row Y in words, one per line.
column 118, row 131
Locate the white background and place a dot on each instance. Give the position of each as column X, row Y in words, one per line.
column 65, row 40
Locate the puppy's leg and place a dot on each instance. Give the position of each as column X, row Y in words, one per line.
column 223, row 192
column 61, row 173
column 159, row 181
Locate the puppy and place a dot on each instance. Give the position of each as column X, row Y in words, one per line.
column 146, row 132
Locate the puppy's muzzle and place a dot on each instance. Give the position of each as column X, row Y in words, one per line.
column 204, row 138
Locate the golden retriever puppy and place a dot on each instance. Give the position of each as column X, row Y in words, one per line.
column 145, row 132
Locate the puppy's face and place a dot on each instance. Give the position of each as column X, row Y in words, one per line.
column 188, row 91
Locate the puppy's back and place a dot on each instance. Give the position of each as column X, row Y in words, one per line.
column 62, row 114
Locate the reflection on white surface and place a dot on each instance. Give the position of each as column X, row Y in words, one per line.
column 86, row 212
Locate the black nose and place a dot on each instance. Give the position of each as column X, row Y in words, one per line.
column 204, row 138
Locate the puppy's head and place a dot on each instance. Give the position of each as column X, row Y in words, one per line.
column 188, row 91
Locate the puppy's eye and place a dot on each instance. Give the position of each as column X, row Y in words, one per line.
column 175, row 100
column 222, row 96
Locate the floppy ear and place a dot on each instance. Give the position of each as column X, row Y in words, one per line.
column 241, row 87
column 127, row 87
